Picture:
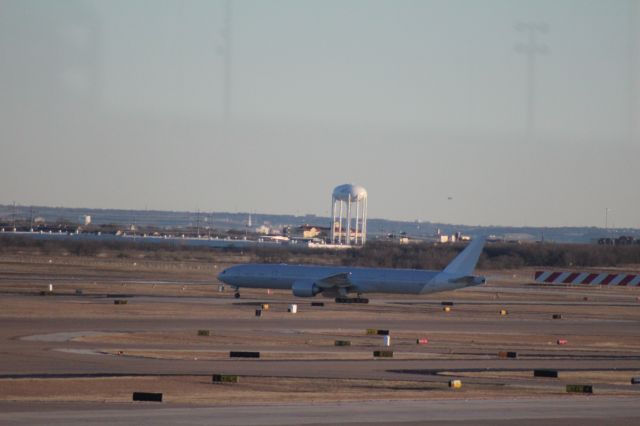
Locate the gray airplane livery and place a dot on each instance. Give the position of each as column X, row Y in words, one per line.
column 339, row 281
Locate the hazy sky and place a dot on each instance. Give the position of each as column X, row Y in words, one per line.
column 121, row 104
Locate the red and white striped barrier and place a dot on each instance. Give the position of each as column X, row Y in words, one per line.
column 551, row 277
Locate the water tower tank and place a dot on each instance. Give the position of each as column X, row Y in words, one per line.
column 349, row 214
column 348, row 192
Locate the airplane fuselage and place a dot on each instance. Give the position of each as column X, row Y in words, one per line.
column 338, row 281
column 362, row 280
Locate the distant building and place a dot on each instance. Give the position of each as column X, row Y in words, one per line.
column 309, row 231
column 273, row 238
column 263, row 229
column 442, row 238
column 458, row 236
column 620, row 241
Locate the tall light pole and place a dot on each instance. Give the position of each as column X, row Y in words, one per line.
column 226, row 52
column 198, row 224
column 531, row 48
column 634, row 69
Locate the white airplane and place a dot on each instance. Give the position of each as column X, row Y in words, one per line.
column 339, row 281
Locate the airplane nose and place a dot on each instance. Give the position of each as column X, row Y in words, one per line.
column 225, row 276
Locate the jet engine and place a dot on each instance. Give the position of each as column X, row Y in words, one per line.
column 305, row 289
column 479, row 280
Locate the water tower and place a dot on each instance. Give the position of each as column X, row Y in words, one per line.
column 349, row 215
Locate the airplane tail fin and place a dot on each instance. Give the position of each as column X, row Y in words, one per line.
column 459, row 273
column 465, row 263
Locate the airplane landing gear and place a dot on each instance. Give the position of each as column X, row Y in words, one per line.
column 237, row 295
column 351, row 300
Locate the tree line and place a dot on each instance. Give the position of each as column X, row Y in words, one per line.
column 373, row 254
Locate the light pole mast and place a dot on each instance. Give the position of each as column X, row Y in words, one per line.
column 530, row 49
column 634, row 69
column 226, row 35
column 606, row 220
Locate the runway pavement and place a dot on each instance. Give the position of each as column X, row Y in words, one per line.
column 524, row 411
column 68, row 337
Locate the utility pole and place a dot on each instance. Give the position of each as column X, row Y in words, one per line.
column 606, row 221
column 134, row 224
column 634, row 69
column 226, row 52
column 198, row 224
column 531, row 48
column 248, row 226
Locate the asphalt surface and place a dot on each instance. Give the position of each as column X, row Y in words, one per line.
column 524, row 411
column 44, row 344
column 32, row 347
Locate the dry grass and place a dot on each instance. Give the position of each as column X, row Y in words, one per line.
column 200, row 390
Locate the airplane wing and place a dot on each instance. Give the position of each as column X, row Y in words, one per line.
column 338, row 280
